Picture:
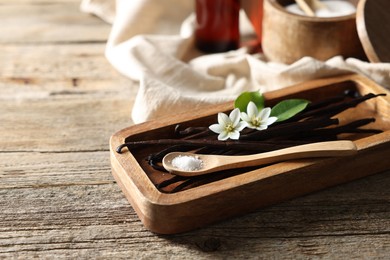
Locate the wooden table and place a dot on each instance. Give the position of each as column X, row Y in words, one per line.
column 60, row 101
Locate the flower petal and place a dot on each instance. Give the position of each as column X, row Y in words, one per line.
column 223, row 136
column 223, row 119
column 245, row 117
column 216, row 128
column 265, row 113
column 252, row 110
column 235, row 135
column 235, row 116
column 241, row 125
column 271, row 120
column 261, row 127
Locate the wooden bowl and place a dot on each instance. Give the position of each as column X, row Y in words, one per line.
column 287, row 37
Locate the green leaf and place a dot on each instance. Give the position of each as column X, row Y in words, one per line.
column 288, row 108
column 243, row 100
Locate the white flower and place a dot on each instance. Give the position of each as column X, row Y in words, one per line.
column 228, row 126
column 256, row 119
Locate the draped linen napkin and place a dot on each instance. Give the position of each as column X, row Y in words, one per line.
column 152, row 41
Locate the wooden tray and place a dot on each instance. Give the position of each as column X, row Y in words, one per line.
column 243, row 191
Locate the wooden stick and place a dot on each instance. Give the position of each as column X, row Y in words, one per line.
column 310, row 6
column 305, row 7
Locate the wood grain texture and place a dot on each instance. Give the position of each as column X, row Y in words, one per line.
column 288, row 37
column 55, row 71
column 82, row 213
column 58, row 199
column 241, row 191
column 56, row 22
column 373, row 28
column 212, row 163
column 61, row 125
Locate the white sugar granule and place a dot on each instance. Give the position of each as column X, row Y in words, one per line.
column 187, row 163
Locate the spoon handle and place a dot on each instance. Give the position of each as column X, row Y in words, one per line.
column 212, row 163
column 320, row 149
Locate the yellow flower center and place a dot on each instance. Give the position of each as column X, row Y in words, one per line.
column 256, row 121
column 229, row 128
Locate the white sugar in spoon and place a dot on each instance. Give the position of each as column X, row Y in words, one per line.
column 212, row 163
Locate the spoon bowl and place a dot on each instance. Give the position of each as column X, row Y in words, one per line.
column 213, row 163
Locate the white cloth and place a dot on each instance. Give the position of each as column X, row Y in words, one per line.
column 152, row 41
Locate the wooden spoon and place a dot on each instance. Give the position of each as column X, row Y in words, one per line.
column 213, row 163
column 309, row 7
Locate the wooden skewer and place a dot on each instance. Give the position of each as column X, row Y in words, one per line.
column 305, row 7
column 309, row 7
column 316, row 4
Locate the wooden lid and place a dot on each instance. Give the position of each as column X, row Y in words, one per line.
column 373, row 26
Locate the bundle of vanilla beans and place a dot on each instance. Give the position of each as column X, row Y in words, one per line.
column 317, row 123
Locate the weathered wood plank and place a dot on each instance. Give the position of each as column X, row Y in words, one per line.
column 61, row 70
column 41, row 170
column 62, row 88
column 62, row 124
column 37, row 2
column 39, row 22
column 87, row 217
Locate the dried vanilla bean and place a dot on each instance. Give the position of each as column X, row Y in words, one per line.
column 314, row 124
column 176, row 148
column 337, row 108
column 251, row 146
column 174, row 179
column 189, row 130
column 155, row 158
column 352, row 127
column 288, row 129
column 349, row 93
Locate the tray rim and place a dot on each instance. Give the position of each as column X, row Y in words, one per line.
column 150, row 203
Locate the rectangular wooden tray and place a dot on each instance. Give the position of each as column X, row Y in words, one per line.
column 162, row 211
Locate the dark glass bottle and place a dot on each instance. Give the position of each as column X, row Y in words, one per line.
column 217, row 28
